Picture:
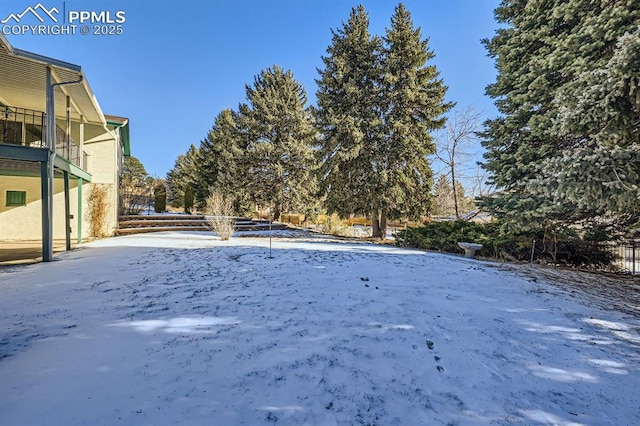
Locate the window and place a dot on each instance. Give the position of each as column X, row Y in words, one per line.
column 16, row 198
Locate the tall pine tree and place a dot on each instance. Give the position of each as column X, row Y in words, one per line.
column 275, row 127
column 378, row 101
column 348, row 116
column 413, row 107
column 564, row 150
column 221, row 159
column 184, row 173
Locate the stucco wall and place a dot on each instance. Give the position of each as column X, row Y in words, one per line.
column 25, row 222
column 102, row 164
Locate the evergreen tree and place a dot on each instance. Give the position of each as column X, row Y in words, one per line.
column 160, row 194
column 183, row 174
column 413, row 107
column 135, row 185
column 443, row 203
column 221, row 159
column 276, row 129
column 601, row 111
column 377, row 104
column 445, row 199
column 348, row 116
column 189, row 198
column 564, row 150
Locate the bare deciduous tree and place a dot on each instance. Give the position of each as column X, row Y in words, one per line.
column 460, row 134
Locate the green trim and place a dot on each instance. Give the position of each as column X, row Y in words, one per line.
column 21, row 173
column 124, row 136
column 67, row 166
column 78, row 172
column 46, row 60
column 126, row 144
column 17, row 152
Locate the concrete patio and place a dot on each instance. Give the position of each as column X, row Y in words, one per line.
column 18, row 252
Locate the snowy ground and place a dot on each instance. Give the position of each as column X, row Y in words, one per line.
column 180, row 328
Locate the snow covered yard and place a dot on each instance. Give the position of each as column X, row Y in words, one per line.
column 181, row 328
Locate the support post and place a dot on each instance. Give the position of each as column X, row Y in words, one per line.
column 67, row 139
column 47, row 244
column 67, row 211
column 81, row 162
column 79, row 226
column 47, row 177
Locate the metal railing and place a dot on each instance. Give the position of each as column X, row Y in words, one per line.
column 25, row 127
column 67, row 149
column 628, row 257
column 20, row 126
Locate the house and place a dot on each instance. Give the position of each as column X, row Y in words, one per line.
column 56, row 148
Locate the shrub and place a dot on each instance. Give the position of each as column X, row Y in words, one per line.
column 98, row 207
column 334, row 225
column 189, row 198
column 220, row 210
column 160, row 193
column 559, row 247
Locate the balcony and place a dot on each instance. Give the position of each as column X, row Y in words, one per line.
column 25, row 127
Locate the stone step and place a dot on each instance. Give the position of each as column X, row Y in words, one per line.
column 153, row 223
column 173, row 217
column 129, row 231
column 134, row 224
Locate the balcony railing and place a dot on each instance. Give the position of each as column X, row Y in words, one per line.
column 25, row 127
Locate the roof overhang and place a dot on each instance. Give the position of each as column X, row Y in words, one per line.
column 23, row 84
column 123, row 124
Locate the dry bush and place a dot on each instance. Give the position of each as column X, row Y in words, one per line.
column 292, row 218
column 98, row 208
column 220, row 211
column 334, row 225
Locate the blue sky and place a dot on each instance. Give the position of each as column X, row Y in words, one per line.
column 178, row 64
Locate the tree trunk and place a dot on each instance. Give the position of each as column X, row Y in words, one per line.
column 379, row 224
column 455, row 192
column 375, row 225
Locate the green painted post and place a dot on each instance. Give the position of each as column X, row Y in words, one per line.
column 79, row 228
column 67, row 211
column 47, row 244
